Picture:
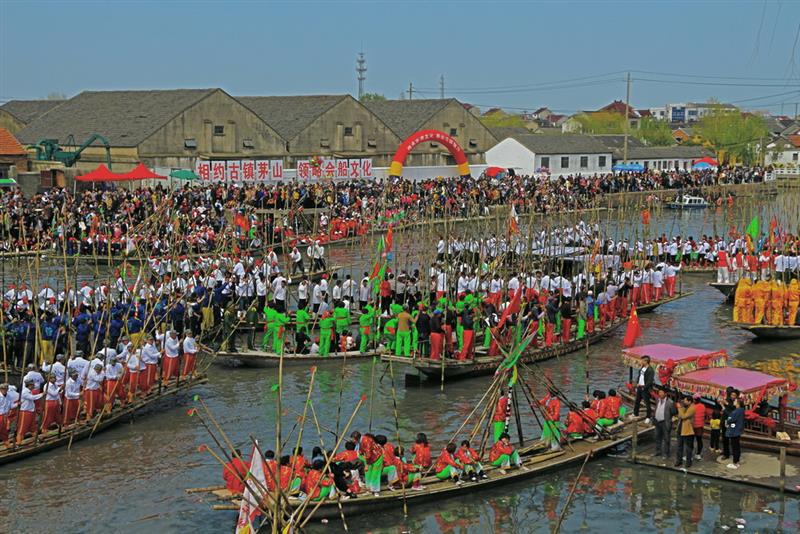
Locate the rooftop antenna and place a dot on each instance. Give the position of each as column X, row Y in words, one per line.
column 361, row 68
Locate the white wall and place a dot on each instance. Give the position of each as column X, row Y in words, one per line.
column 574, row 164
column 510, row 153
column 785, row 157
column 664, row 164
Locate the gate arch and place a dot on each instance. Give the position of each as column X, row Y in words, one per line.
column 434, row 136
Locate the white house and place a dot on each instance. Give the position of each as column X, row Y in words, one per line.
column 783, row 152
column 667, row 157
column 561, row 154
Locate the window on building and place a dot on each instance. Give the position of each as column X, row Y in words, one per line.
column 601, row 161
column 794, row 156
column 564, row 162
column 324, row 143
column 546, row 162
column 348, row 131
column 372, row 143
column 219, row 129
column 646, row 164
column 453, row 132
column 190, row 143
column 584, row 162
column 248, row 143
column 473, row 143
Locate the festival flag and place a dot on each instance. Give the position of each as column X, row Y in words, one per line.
column 752, row 229
column 249, row 510
column 633, row 330
column 773, row 227
column 645, row 216
column 513, row 307
column 388, row 240
column 513, row 221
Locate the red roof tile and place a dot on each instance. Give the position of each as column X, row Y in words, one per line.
column 9, row 146
column 795, row 140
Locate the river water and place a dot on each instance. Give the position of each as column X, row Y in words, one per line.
column 132, row 477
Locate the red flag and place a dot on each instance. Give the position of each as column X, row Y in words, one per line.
column 633, row 330
column 513, row 227
column 388, row 241
column 513, row 306
column 645, row 216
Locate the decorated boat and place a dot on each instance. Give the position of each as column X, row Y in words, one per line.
column 770, row 332
column 726, row 288
column 706, row 373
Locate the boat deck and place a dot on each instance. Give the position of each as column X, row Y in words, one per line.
column 761, row 469
column 257, row 358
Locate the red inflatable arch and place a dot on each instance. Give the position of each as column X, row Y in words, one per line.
column 434, row 136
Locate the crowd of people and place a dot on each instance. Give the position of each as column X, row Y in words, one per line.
column 144, row 221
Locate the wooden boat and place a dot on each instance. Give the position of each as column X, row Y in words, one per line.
column 257, row 358
column 702, row 372
column 486, row 365
column 535, row 462
column 728, row 289
column 688, row 202
column 698, row 269
column 84, row 430
column 769, row 332
column 648, row 308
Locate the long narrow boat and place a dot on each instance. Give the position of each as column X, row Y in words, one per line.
column 257, row 358
column 769, row 332
column 651, row 306
column 55, row 439
column 534, row 465
column 486, row 365
column 698, row 269
column 705, row 373
column 727, row 289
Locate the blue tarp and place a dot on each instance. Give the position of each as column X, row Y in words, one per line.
column 701, row 165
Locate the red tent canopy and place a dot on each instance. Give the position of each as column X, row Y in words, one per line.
column 140, row 172
column 100, row 174
column 491, row 172
column 710, row 161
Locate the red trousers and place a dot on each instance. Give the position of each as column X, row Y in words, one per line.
column 436, row 345
column 189, row 362
column 4, row 423
column 603, row 315
column 52, row 414
column 467, row 351
column 636, row 295
column 647, row 293
column 93, row 399
column 548, row 334
column 670, row 285
column 448, row 337
column 25, row 424
column 656, row 294
column 590, row 324
column 622, row 306
column 115, row 389
column 39, row 403
column 71, row 411
column 149, row 377
column 566, row 326
column 133, row 383
column 169, row 367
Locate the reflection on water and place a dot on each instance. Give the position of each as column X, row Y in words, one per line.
column 134, row 476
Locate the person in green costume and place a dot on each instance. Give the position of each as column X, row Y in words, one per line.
column 252, row 324
column 301, row 320
column 390, row 333
column 459, row 327
column 269, row 328
column 326, row 325
column 341, row 316
column 365, row 322
column 229, row 321
column 281, row 320
column 404, row 323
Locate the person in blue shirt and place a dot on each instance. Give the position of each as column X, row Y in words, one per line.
column 177, row 315
column 83, row 328
column 734, row 426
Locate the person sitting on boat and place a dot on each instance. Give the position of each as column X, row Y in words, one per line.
column 606, row 410
column 389, row 471
column 470, row 459
column 503, row 455
column 552, row 414
column 290, row 479
column 373, row 461
column 348, row 460
column 407, row 472
column 234, row 473
column 422, row 451
column 576, row 424
column 615, row 405
column 316, row 485
column 446, row 466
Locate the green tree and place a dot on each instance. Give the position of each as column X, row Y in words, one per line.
column 501, row 119
column 372, row 97
column 733, row 135
column 654, row 132
column 601, row 122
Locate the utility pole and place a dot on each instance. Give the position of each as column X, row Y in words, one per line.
column 410, row 90
column 627, row 118
column 795, row 110
column 441, row 87
column 361, row 68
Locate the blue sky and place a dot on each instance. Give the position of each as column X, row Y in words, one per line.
column 515, row 54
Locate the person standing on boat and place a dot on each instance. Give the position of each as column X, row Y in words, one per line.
column 792, row 302
column 644, row 384
column 52, row 403
column 403, row 342
column 664, row 411
column 686, row 411
column 172, row 353
column 551, row 432
column 26, row 424
column 5, row 408
column 502, row 413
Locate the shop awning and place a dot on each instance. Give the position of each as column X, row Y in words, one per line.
column 183, row 174
column 140, row 172
column 8, row 182
column 100, row 174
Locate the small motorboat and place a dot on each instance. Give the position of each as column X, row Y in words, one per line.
column 688, row 202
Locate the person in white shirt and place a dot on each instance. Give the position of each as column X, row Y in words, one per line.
column 363, row 294
column 93, row 392
column 57, row 368
column 134, row 364
column 80, row 364
column 114, row 386
column 658, row 282
column 5, row 408
column 297, row 261
column 348, row 289
column 302, row 293
column 279, row 290
column 189, row 355
column 150, row 356
column 26, row 422
column 35, row 377
column 52, row 404
column 172, row 347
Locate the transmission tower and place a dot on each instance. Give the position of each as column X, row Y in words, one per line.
column 361, row 68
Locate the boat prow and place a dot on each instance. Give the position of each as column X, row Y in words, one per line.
column 647, row 308
column 258, row 358
column 763, row 331
column 726, row 288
